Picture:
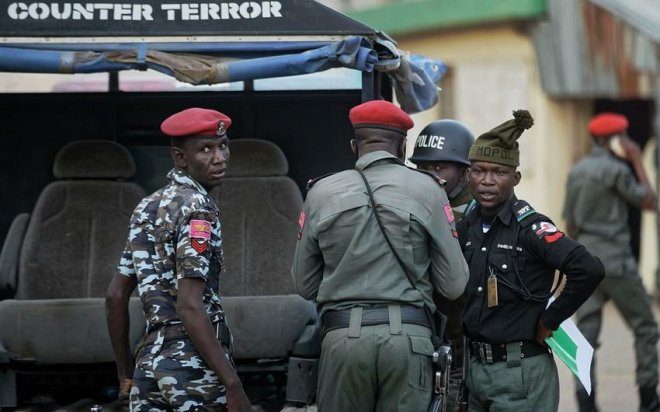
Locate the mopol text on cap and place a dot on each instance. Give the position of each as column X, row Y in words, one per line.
column 500, row 144
column 380, row 114
column 196, row 122
column 607, row 124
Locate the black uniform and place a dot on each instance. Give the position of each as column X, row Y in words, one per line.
column 521, row 249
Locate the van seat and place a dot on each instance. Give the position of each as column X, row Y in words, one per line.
column 69, row 254
column 259, row 206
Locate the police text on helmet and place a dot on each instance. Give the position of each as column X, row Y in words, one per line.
column 122, row 11
column 436, row 142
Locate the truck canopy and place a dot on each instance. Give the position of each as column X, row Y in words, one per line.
column 208, row 43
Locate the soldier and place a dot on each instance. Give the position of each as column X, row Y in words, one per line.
column 174, row 256
column 599, row 189
column 513, row 252
column 376, row 350
column 442, row 148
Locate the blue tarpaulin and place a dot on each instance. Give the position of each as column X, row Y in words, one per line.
column 414, row 77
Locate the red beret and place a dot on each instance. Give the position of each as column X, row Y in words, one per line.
column 607, row 124
column 196, row 122
column 380, row 114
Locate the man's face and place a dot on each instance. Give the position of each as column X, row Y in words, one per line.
column 205, row 159
column 452, row 172
column 492, row 184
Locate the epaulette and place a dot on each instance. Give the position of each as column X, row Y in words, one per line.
column 312, row 182
column 522, row 210
column 439, row 181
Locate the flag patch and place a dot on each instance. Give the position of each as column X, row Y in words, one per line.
column 301, row 223
column 200, row 229
column 448, row 212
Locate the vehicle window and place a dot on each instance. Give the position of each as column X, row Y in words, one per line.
column 333, row 79
column 47, row 82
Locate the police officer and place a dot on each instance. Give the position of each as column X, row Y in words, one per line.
column 174, row 256
column 442, row 148
column 376, row 351
column 513, row 252
column 599, row 189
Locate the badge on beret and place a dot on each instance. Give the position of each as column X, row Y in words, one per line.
column 200, row 234
column 222, row 130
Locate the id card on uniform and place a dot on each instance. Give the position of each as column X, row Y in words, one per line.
column 492, row 290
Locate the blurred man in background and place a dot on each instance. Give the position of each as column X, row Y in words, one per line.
column 600, row 187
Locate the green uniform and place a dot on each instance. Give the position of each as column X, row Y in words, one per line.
column 453, row 309
column 343, row 262
column 599, row 189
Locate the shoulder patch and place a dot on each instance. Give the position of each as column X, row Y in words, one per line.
column 200, row 235
column 301, row 223
column 546, row 230
column 522, row 210
column 439, row 181
column 312, row 182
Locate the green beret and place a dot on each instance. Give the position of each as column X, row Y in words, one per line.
column 500, row 144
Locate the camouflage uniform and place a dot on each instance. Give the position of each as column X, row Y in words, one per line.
column 174, row 234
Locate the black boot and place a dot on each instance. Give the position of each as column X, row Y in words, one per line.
column 586, row 403
column 649, row 401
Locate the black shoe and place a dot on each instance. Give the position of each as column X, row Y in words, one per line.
column 649, row 401
column 586, row 403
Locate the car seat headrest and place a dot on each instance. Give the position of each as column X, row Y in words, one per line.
column 93, row 159
column 254, row 157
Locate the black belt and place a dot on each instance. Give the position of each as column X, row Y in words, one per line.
column 178, row 332
column 337, row 319
column 491, row 353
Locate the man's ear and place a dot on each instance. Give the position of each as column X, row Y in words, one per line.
column 516, row 178
column 179, row 157
column 463, row 172
column 354, row 148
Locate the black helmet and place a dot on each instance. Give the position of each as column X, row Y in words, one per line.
column 443, row 141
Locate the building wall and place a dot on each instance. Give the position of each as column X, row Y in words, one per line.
column 493, row 71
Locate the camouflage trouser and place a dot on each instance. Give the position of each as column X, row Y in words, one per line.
column 171, row 375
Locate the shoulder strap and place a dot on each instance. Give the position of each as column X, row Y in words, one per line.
column 436, row 330
column 382, row 228
column 522, row 210
column 312, row 182
column 439, row 181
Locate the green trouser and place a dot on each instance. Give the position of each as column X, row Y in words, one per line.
column 376, row 368
column 517, row 384
column 629, row 296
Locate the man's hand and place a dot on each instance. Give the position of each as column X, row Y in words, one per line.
column 125, row 388
column 237, row 400
column 631, row 148
column 542, row 333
